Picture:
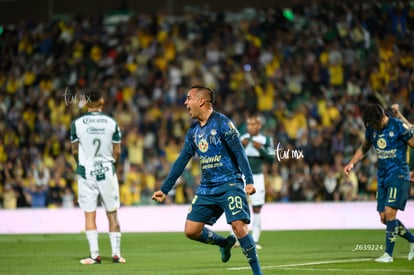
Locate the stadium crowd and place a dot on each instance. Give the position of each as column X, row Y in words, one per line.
column 308, row 72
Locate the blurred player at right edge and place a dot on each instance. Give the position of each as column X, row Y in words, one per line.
column 390, row 138
column 396, row 111
column 259, row 150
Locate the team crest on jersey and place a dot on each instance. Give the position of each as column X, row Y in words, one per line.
column 391, row 133
column 202, row 145
column 381, row 143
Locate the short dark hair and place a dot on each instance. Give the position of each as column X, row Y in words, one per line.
column 205, row 88
column 93, row 94
column 373, row 115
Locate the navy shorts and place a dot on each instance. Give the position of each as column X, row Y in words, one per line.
column 209, row 208
column 393, row 193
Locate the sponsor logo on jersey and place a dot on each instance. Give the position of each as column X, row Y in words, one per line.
column 88, row 120
column 95, row 131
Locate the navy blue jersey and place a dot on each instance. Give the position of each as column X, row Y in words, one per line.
column 390, row 144
column 222, row 157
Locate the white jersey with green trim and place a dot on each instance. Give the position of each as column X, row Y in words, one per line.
column 258, row 157
column 96, row 132
column 250, row 150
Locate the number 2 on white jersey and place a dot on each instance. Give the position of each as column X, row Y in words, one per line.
column 97, row 143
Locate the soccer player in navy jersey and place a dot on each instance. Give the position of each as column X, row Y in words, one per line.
column 223, row 161
column 395, row 108
column 390, row 138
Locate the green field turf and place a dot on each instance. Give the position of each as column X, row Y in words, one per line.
column 284, row 252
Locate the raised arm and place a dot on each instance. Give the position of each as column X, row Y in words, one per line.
column 397, row 113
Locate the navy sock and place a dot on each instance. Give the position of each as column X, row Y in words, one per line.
column 391, row 236
column 249, row 250
column 404, row 232
column 211, row 237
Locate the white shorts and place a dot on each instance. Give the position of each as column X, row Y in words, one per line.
column 258, row 198
column 91, row 189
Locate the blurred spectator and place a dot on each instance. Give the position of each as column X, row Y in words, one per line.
column 274, row 184
column 41, row 175
column 135, row 147
column 68, row 198
column 37, row 195
column 9, row 197
column 348, row 187
column 330, row 184
column 56, row 191
column 147, row 187
column 23, row 197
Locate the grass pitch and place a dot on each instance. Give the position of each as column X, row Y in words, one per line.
column 284, row 252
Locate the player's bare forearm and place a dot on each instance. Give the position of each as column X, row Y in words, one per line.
column 359, row 154
column 366, row 145
column 396, row 111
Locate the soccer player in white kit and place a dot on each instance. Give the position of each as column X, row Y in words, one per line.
column 259, row 149
column 96, row 146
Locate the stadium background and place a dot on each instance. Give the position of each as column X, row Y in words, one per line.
column 256, row 56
